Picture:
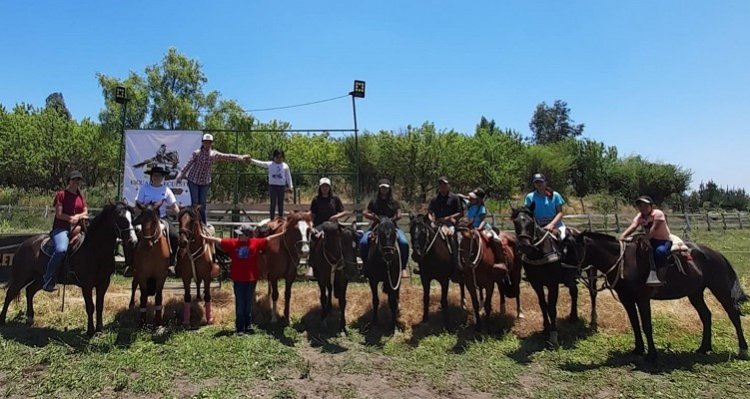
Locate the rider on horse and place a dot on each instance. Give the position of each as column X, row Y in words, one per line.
column 70, row 206
column 384, row 205
column 326, row 206
column 654, row 224
column 547, row 206
column 445, row 209
column 476, row 213
column 156, row 191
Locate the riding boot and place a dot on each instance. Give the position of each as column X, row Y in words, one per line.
column 497, row 250
column 653, row 279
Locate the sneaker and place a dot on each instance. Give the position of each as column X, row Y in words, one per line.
column 653, row 280
column 171, row 271
column 249, row 331
column 310, row 273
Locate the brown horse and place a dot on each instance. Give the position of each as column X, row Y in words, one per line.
column 194, row 262
column 93, row 263
column 625, row 267
column 151, row 260
column 478, row 259
column 334, row 262
column 282, row 256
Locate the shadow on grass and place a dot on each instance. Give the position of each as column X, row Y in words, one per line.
column 569, row 333
column 322, row 333
column 667, row 361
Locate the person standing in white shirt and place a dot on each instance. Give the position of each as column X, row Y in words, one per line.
column 279, row 180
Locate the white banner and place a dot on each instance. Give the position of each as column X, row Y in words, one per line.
column 170, row 149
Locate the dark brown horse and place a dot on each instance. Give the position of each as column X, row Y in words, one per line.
column 151, row 260
column 194, row 262
column 477, row 259
column 540, row 255
column 383, row 265
column 431, row 252
column 626, row 267
column 93, row 263
column 282, row 255
column 334, row 262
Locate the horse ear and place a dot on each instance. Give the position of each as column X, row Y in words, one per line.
column 110, row 202
column 197, row 207
column 139, row 205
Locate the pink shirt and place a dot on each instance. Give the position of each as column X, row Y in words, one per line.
column 658, row 231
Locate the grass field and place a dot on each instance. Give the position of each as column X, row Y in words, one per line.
column 306, row 359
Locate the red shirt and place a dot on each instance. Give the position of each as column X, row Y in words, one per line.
column 244, row 257
column 72, row 204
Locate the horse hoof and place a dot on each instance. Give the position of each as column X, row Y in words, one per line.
column 29, row 322
column 210, row 321
column 553, row 339
column 521, row 316
column 637, row 351
column 743, row 355
column 704, row 350
column 573, row 319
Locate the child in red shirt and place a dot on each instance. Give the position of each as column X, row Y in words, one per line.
column 244, row 251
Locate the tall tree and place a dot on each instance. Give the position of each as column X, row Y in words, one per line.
column 553, row 124
column 56, row 102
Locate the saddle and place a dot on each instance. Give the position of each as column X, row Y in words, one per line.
column 77, row 236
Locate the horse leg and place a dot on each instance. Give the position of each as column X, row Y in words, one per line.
column 644, row 309
column 274, row 299
column 519, row 311
column 31, row 290
column 342, row 285
column 592, row 293
column 502, row 300
column 539, row 290
column 197, row 289
column 393, row 296
column 207, row 301
column 158, row 301
column 426, row 295
column 475, row 304
column 14, row 289
column 444, row 286
column 488, row 304
column 87, row 298
column 573, row 289
column 133, row 287
column 101, row 290
column 463, row 294
column 699, row 303
column 635, row 324
column 288, row 298
column 553, row 292
column 725, row 298
column 186, row 303
column 143, row 305
column 375, row 301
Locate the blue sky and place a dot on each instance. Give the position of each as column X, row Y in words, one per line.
column 666, row 79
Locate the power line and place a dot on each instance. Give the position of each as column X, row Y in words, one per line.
column 296, row 105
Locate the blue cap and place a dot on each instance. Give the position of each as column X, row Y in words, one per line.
column 539, row 177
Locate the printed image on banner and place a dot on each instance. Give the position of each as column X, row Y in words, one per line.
column 170, row 149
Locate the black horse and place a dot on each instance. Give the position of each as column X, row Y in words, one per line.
column 540, row 255
column 383, row 265
column 92, row 264
column 334, row 261
column 435, row 261
column 626, row 266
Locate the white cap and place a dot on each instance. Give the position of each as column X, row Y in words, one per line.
column 208, row 137
column 323, row 181
column 472, row 195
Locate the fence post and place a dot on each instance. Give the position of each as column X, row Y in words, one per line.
column 723, row 220
column 617, row 223
column 708, row 222
column 589, row 217
column 739, row 218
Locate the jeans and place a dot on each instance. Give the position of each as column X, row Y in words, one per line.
column 199, row 196
column 277, row 199
column 661, row 251
column 403, row 245
column 244, row 294
column 61, row 236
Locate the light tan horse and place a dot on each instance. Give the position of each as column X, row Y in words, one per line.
column 195, row 262
column 282, row 255
column 151, row 260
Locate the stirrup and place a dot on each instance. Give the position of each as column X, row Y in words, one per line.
column 653, row 280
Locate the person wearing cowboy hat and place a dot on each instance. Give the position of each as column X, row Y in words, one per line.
column 383, row 205
column 197, row 171
column 279, row 180
column 70, row 207
column 654, row 224
column 243, row 251
column 155, row 191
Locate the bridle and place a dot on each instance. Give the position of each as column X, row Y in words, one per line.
column 392, row 250
column 153, row 238
column 425, row 230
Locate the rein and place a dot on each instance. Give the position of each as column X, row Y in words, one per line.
column 397, row 250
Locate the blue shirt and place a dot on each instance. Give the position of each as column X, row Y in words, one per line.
column 545, row 207
column 475, row 213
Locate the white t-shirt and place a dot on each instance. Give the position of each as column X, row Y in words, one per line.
column 148, row 194
column 279, row 174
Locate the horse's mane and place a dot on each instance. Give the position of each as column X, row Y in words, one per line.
column 107, row 209
column 296, row 217
column 599, row 236
column 190, row 210
column 523, row 209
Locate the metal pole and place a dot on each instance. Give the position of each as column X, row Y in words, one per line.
column 235, row 213
column 356, row 160
column 120, row 177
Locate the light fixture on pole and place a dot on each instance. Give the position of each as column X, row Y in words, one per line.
column 121, row 97
column 358, row 92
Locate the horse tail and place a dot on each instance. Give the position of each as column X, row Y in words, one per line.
column 738, row 294
column 151, row 286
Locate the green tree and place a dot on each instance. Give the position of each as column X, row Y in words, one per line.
column 56, row 102
column 553, row 124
